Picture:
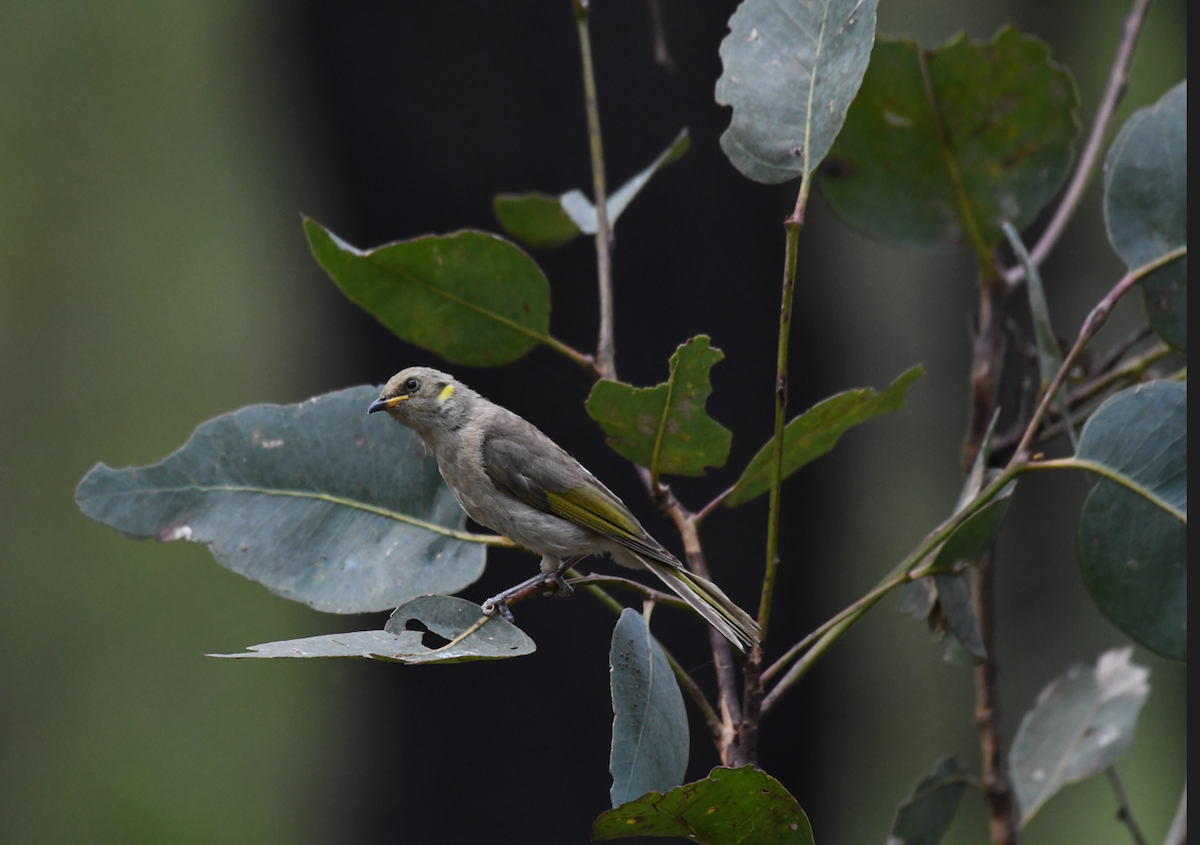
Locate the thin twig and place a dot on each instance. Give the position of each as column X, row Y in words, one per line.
column 707, row 510
column 997, row 788
column 605, row 359
column 1124, row 811
column 1113, row 93
column 1114, row 355
column 649, row 593
column 581, row 358
column 1177, row 835
column 661, row 55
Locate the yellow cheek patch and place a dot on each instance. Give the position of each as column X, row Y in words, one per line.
column 446, row 393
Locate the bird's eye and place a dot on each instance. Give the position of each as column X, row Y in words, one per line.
column 412, row 385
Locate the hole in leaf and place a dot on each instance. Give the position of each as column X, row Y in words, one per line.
column 430, row 639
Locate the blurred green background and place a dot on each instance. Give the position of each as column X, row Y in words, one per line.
column 154, row 158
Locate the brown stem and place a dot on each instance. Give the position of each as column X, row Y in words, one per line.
column 1113, row 93
column 1124, row 812
column 647, row 593
column 988, row 363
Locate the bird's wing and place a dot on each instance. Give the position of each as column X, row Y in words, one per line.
column 528, row 465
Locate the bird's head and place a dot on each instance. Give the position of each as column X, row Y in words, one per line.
column 425, row 399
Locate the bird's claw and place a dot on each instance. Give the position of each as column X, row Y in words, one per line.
column 495, row 605
column 561, row 589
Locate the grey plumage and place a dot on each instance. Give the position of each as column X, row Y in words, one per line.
column 513, row 479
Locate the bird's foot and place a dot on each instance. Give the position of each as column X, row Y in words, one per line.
column 561, row 589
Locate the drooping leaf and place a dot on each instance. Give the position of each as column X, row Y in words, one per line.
column 791, row 69
column 537, row 220
column 924, row 817
column 650, row 729
column 1133, row 552
column 964, row 645
column 471, row 297
column 665, row 428
column 580, row 209
column 1145, row 206
column 743, row 806
column 945, row 145
column 1082, row 722
column 471, row 635
column 316, row 501
column 816, row 431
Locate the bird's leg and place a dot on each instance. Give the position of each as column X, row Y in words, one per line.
column 538, row 583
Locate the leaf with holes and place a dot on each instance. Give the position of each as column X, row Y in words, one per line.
column 1133, row 551
column 471, row 297
column 791, row 69
column 665, row 428
column 924, row 817
column 945, row 145
column 816, row 431
column 743, row 806
column 469, row 633
column 650, row 729
column 317, row 501
column 1082, row 722
column 1145, row 206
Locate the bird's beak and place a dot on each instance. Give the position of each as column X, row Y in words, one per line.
column 385, row 404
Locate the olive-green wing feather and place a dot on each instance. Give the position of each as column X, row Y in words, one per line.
column 525, row 463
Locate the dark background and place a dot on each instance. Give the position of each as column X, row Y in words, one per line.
column 155, row 158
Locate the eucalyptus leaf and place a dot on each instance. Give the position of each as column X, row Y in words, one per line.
column 471, row 635
column 943, row 146
column 954, row 598
column 650, row 730
column 316, row 501
column 924, row 817
column 1132, row 551
column 537, row 220
column 1145, row 206
column 666, row 428
column 816, row 431
column 791, row 69
column 1082, row 722
column 471, row 297
column 743, row 806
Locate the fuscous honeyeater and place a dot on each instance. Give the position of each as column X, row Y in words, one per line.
column 513, row 479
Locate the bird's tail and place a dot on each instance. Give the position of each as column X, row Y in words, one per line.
column 733, row 623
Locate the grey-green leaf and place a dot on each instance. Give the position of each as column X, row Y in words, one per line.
column 471, row 635
column 537, row 220
column 582, row 213
column 1145, row 206
column 816, row 431
column 924, row 817
column 791, row 70
column 743, row 806
column 316, row 501
column 954, row 595
column 1132, row 551
column 471, row 297
column 1082, row 722
column 650, row 731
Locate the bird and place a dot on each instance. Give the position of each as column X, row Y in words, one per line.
column 511, row 478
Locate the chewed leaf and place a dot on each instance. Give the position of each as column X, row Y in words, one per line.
column 471, row 636
column 945, row 145
column 1082, row 722
column 471, row 297
column 791, row 69
column 666, row 428
column 1145, row 206
column 743, row 806
column 316, row 501
column 817, row 430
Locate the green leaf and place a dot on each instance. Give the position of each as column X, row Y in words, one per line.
column 650, row 730
column 729, row 807
column 471, row 635
column 964, row 646
column 816, row 431
column 580, row 209
column 1082, row 722
column 537, row 220
column 665, row 428
column 316, row 501
column 791, row 69
column 924, row 817
column 945, row 145
column 1133, row 552
column 471, row 297
column 1145, row 206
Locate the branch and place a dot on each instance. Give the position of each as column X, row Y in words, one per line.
column 605, row 360
column 1113, row 94
column 1124, row 812
column 649, row 593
